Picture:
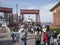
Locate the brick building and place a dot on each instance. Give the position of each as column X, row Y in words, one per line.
column 56, row 16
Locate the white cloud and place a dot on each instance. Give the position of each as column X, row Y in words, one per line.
column 32, row 7
column 45, row 14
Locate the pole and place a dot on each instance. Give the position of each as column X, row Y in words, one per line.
column 17, row 15
column 17, row 12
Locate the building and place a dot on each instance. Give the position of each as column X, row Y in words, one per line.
column 56, row 16
column 2, row 18
column 29, row 22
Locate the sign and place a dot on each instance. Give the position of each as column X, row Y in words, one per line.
column 4, row 9
column 29, row 11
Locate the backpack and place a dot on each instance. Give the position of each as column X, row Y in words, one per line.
column 12, row 34
column 23, row 35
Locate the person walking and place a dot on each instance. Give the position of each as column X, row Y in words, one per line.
column 59, row 36
column 13, row 35
column 22, row 35
column 37, row 38
column 48, row 33
column 55, row 38
column 45, row 39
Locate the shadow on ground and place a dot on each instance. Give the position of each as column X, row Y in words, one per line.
column 52, row 44
column 58, row 44
column 3, row 36
column 6, row 42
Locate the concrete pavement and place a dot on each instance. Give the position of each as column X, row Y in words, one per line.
column 5, row 39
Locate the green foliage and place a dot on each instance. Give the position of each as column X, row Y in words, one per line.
column 56, row 29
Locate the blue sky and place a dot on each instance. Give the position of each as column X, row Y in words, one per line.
column 43, row 5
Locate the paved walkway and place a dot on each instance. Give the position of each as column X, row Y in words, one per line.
column 5, row 39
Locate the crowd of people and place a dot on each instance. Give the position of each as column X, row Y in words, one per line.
column 37, row 30
column 47, row 34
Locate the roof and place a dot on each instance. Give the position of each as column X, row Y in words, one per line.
column 55, row 6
